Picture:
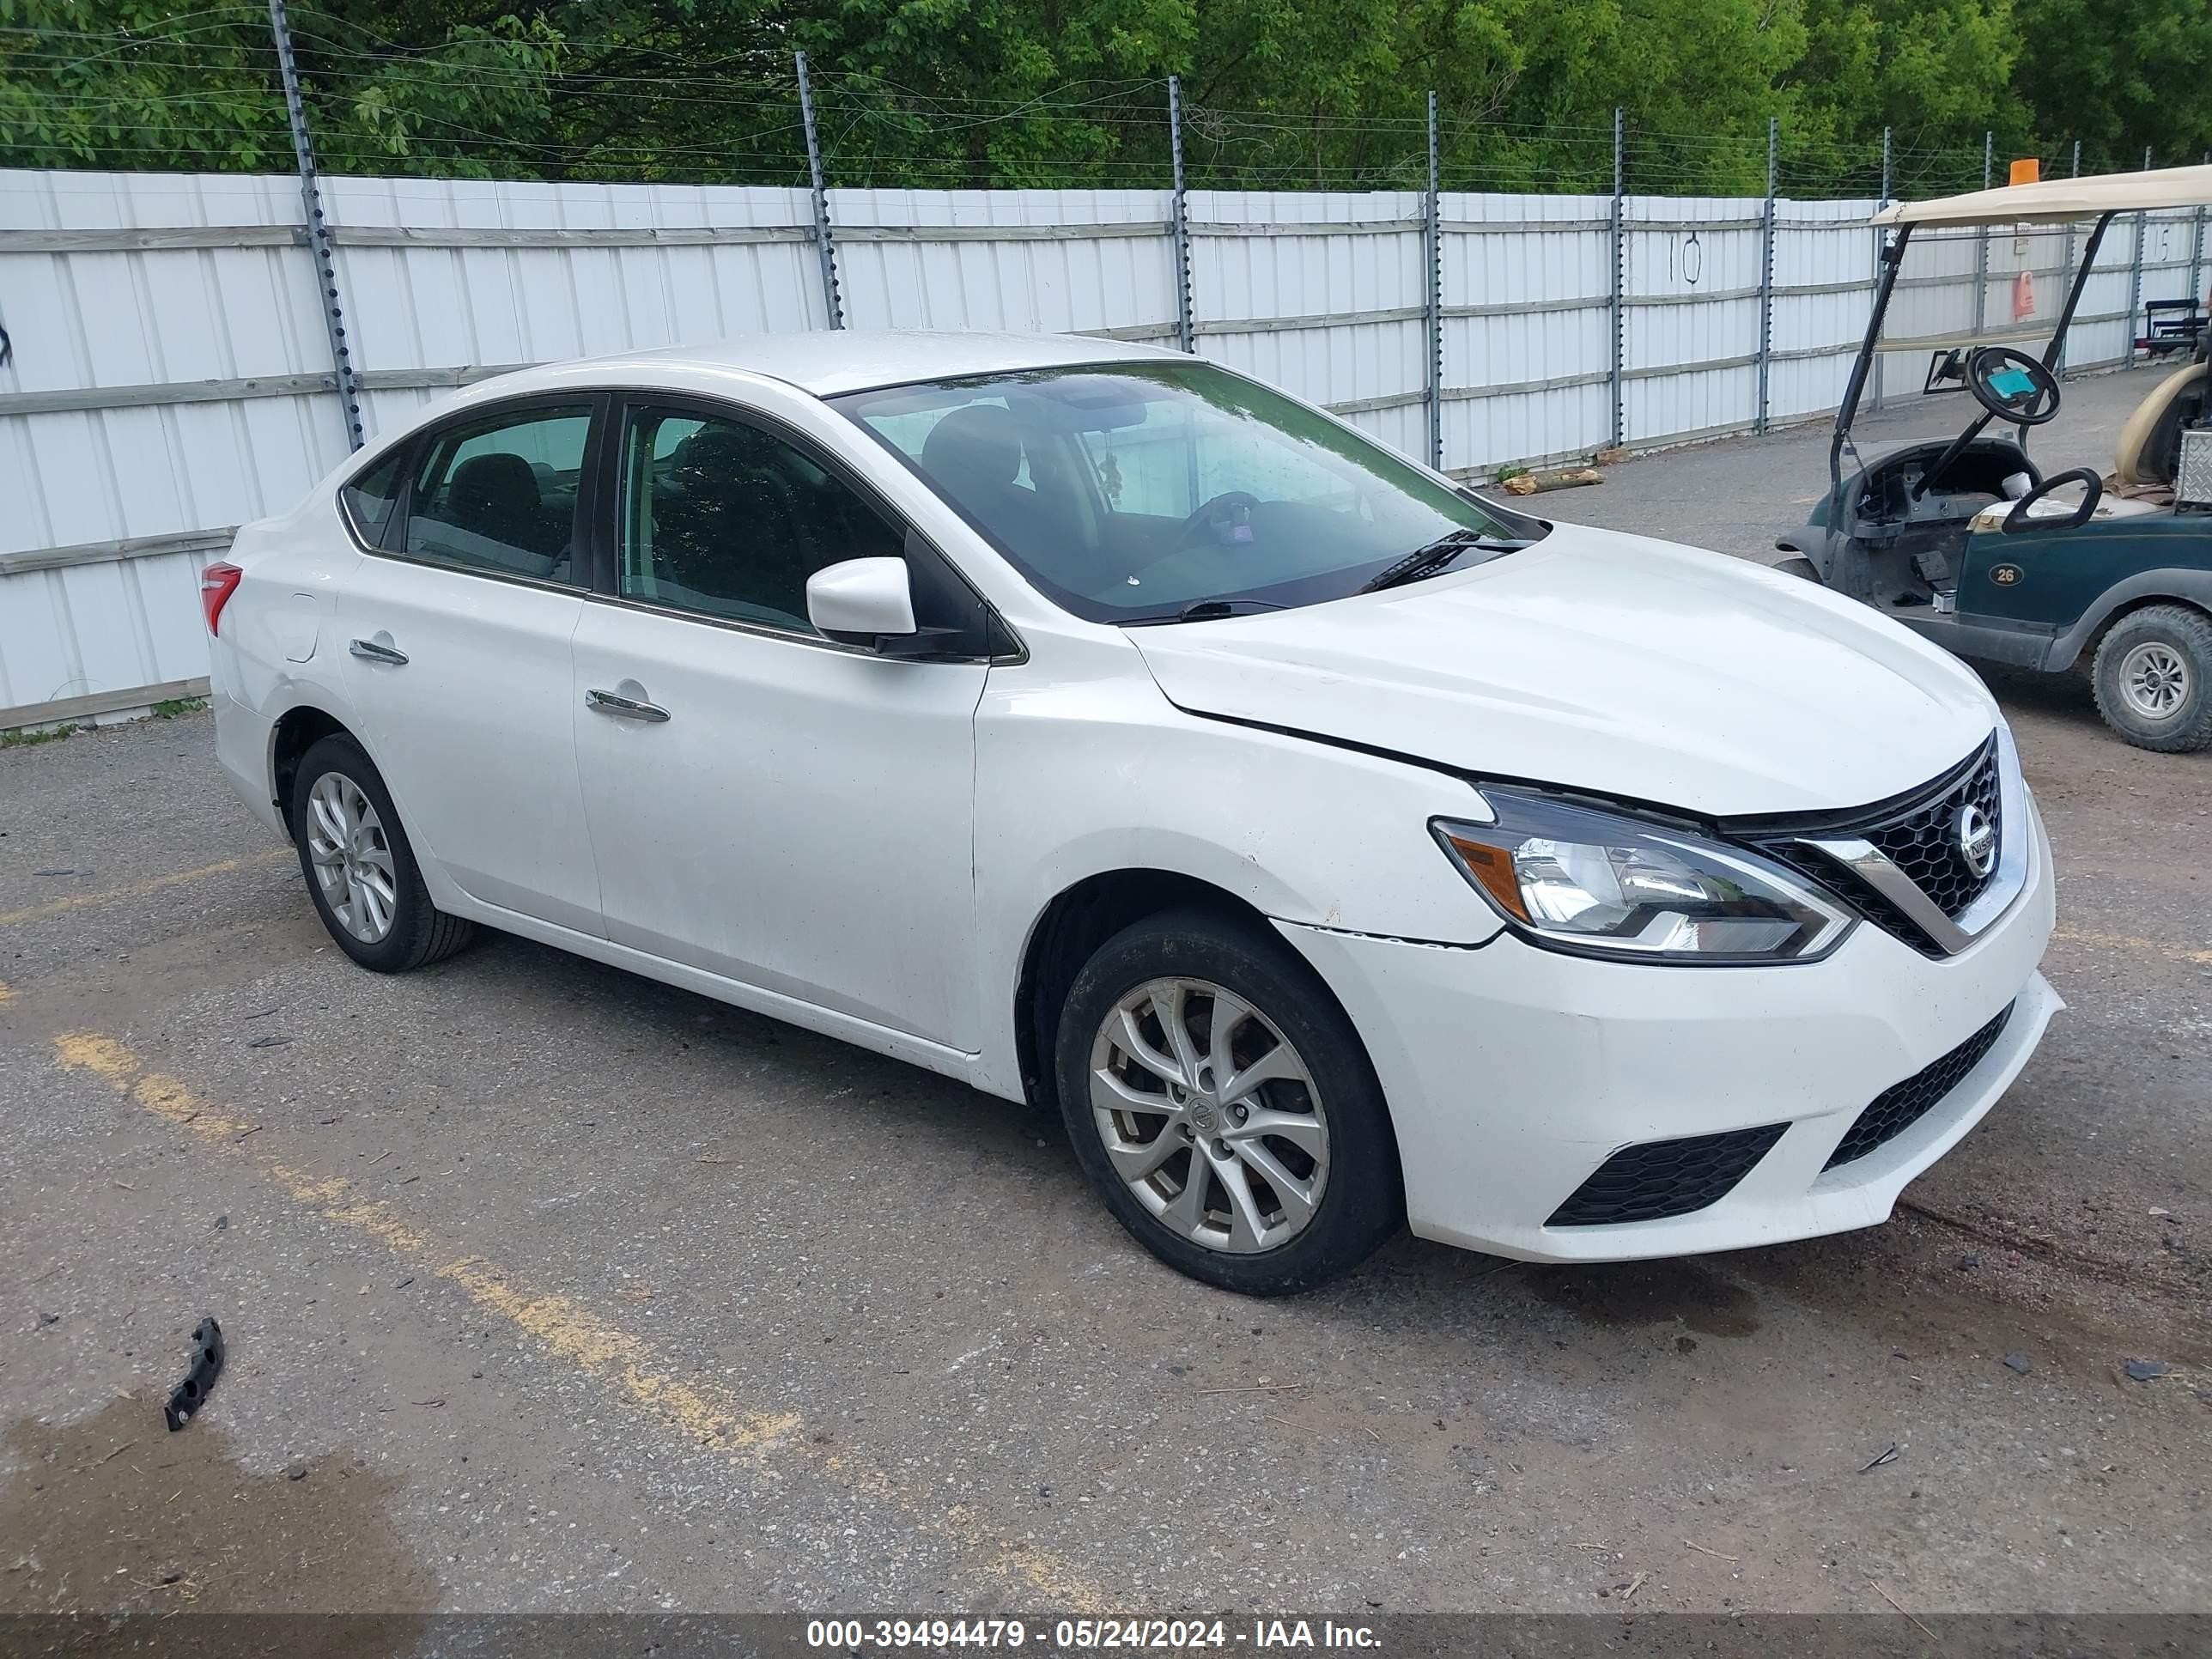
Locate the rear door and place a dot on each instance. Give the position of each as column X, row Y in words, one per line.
column 767, row 805
column 459, row 630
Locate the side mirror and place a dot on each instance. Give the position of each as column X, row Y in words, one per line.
column 861, row 602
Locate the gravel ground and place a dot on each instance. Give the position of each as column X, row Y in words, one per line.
column 549, row 1288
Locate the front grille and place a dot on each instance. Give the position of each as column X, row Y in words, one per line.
column 1924, row 841
column 1657, row 1179
column 1919, row 833
column 1897, row 1109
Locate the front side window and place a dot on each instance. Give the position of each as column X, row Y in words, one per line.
column 728, row 520
column 1132, row 492
column 499, row 495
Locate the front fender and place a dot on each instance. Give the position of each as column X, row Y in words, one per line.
column 1082, row 777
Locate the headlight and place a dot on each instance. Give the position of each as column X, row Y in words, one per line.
column 1603, row 884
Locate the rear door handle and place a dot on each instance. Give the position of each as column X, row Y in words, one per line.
column 377, row 650
column 624, row 708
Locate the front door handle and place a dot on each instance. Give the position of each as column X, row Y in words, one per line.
column 624, row 708
column 379, row 649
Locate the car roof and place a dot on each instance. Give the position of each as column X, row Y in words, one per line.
column 828, row 361
column 2061, row 199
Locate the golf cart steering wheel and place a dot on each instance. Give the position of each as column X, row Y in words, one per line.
column 2010, row 386
column 1225, row 514
column 2013, row 386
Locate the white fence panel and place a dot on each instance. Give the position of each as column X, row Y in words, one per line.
column 926, row 258
column 608, row 272
column 1528, row 327
column 1692, row 345
column 1824, row 277
column 87, row 325
column 2168, row 242
column 172, row 377
column 1353, row 285
column 116, row 318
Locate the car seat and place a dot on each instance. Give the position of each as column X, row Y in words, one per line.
column 2149, row 447
column 729, row 530
column 974, row 454
column 495, row 496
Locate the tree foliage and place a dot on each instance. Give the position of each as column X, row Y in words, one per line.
column 1299, row 93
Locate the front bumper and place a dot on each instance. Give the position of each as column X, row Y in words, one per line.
column 1513, row 1074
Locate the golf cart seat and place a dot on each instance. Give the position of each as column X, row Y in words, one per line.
column 1993, row 517
column 2150, row 441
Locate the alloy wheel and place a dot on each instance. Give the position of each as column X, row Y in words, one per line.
column 352, row 857
column 2154, row 680
column 1209, row 1116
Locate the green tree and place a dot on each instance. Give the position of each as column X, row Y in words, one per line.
column 2120, row 74
column 1283, row 94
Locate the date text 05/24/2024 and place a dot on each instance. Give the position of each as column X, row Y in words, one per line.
column 1089, row 1635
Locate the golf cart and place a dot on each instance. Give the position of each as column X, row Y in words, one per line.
column 1971, row 544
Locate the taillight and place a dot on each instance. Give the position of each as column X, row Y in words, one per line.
column 217, row 583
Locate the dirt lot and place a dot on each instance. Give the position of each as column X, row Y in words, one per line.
column 549, row 1288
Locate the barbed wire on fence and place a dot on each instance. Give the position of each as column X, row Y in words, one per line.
column 201, row 89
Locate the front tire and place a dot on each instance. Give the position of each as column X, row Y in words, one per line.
column 360, row 870
column 2153, row 678
column 1223, row 1107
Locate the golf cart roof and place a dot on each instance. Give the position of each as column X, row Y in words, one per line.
column 2061, row 199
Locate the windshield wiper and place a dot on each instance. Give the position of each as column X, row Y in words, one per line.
column 1203, row 610
column 1431, row 560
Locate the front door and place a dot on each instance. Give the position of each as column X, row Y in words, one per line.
column 765, row 804
column 457, row 633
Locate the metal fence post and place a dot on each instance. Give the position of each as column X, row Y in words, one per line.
column 1878, row 358
column 2135, row 278
column 1179, row 219
column 319, row 230
column 824, row 247
column 1619, row 277
column 2197, row 248
column 1767, row 273
column 2070, row 273
column 1982, row 238
column 1433, row 247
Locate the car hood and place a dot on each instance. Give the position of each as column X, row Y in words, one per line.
column 1613, row 664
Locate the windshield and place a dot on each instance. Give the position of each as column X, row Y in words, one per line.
column 1132, row 492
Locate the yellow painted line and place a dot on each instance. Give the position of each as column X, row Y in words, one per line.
column 141, row 889
column 159, row 1093
column 6, row 990
column 572, row 1332
column 2130, row 942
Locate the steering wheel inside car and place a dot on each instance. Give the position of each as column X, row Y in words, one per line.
column 1228, row 516
column 2013, row 386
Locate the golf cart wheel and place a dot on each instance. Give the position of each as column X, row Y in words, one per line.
column 2153, row 678
column 1797, row 565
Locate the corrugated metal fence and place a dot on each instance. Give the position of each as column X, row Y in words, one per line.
column 170, row 376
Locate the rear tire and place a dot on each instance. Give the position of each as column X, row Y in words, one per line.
column 1299, row 1175
column 2153, row 678
column 359, row 867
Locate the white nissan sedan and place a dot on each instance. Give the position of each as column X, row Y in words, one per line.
column 1332, row 847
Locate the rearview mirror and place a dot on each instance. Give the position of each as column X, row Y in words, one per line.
column 861, row 602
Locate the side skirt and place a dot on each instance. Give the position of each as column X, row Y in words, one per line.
column 862, row 1034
